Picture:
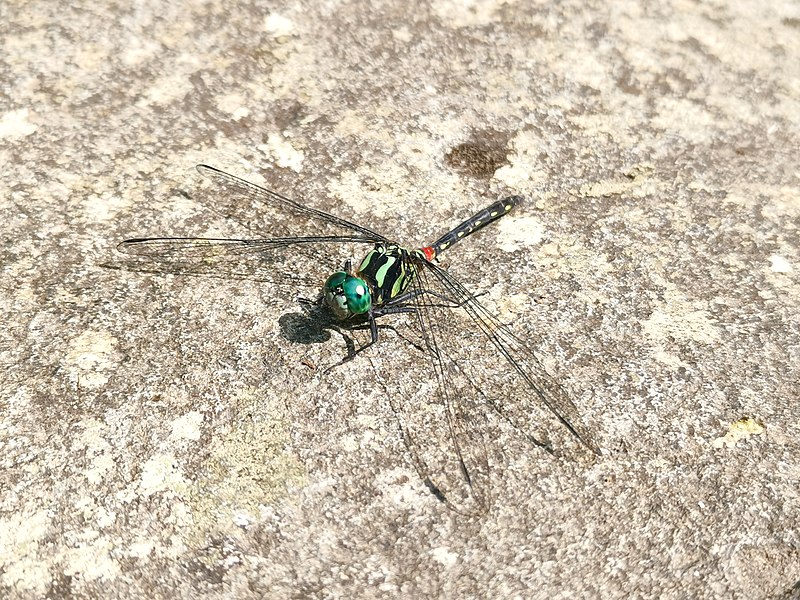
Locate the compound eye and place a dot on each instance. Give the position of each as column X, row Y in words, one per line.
column 334, row 295
column 359, row 300
column 338, row 305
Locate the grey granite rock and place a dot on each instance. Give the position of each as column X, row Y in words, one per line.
column 166, row 436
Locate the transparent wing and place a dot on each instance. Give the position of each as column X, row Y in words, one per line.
column 304, row 262
column 272, row 215
column 482, row 370
column 303, row 247
column 525, row 382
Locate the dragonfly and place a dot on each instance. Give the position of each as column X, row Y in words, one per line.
column 468, row 366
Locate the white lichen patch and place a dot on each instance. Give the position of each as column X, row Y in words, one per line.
column 402, row 34
column 15, row 125
column 781, row 277
column 374, row 188
column 668, row 359
column 349, row 442
column 243, row 520
column 402, row 485
column 299, row 76
column 97, row 449
column 101, row 464
column 26, row 574
column 444, row 556
column 140, row 550
column 279, row 26
column 369, row 421
column 180, row 516
column 103, row 208
column 524, row 166
column 20, row 537
column 637, row 183
column 519, row 232
column 506, row 307
column 680, row 317
column 166, row 90
column 604, row 189
column 282, row 152
column 683, row 117
column 159, row 474
column 742, row 429
column 782, row 205
column 234, row 105
column 682, row 321
column 187, row 427
column 91, row 354
column 91, row 560
column 780, row 264
column 92, row 513
column 139, row 50
column 352, row 122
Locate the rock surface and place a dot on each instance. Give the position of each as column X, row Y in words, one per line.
column 169, row 436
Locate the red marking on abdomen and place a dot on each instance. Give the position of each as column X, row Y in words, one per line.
column 429, row 252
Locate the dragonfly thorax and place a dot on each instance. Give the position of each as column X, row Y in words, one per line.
column 389, row 269
column 385, row 274
column 346, row 295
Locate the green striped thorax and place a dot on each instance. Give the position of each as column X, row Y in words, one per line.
column 346, row 295
column 383, row 275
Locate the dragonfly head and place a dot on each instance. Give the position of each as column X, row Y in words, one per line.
column 346, row 295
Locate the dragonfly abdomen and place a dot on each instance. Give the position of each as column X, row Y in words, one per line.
column 481, row 219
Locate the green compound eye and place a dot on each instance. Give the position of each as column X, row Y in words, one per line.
column 346, row 295
column 357, row 293
column 335, row 281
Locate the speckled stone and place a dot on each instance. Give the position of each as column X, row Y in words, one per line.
column 166, row 436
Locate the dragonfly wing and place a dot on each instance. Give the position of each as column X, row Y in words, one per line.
column 270, row 214
column 443, row 430
column 304, row 245
column 443, row 420
column 270, row 260
column 516, row 384
column 483, row 372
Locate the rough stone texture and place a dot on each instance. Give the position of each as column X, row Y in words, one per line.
column 162, row 437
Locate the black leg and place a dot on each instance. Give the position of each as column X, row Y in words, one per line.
column 410, row 295
column 392, row 308
column 449, row 302
column 373, row 328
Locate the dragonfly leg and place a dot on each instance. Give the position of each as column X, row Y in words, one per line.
column 393, row 310
column 410, row 295
column 373, row 328
column 310, row 303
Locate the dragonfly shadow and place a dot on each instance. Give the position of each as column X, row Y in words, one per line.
column 314, row 324
column 311, row 326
